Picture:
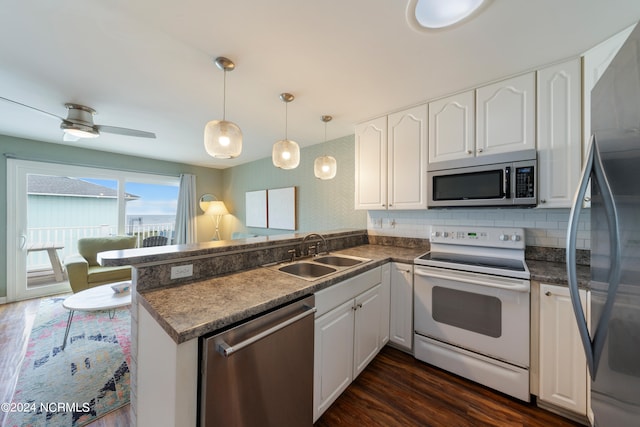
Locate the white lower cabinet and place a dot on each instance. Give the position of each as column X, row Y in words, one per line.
column 347, row 335
column 385, row 302
column 366, row 334
column 333, row 357
column 563, row 375
column 401, row 311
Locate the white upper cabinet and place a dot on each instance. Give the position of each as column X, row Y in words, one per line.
column 506, row 116
column 452, row 132
column 371, row 164
column 391, row 161
column 407, row 159
column 559, row 142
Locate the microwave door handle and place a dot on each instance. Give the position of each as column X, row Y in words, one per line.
column 506, row 185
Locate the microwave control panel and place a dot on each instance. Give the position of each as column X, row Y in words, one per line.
column 525, row 182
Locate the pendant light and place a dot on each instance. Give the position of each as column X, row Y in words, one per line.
column 286, row 153
column 223, row 139
column 325, row 167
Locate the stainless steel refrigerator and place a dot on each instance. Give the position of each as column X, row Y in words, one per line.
column 612, row 345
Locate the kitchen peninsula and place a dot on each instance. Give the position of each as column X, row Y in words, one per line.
column 228, row 285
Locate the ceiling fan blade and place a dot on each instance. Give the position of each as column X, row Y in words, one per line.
column 125, row 131
column 33, row 108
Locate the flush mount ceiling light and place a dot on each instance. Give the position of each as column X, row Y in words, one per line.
column 325, row 167
column 223, row 139
column 286, row 153
column 435, row 14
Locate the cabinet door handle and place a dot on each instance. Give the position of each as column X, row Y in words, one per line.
column 548, row 293
column 469, row 152
column 480, row 150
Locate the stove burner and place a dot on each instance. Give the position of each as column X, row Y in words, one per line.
column 479, row 261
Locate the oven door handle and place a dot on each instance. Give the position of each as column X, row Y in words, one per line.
column 475, row 281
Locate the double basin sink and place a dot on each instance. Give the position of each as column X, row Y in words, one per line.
column 317, row 267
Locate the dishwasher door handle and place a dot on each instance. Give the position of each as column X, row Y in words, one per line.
column 226, row 350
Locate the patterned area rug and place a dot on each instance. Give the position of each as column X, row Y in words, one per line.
column 74, row 386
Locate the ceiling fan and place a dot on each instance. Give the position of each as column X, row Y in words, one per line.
column 79, row 123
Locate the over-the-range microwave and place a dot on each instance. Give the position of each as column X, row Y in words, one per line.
column 509, row 183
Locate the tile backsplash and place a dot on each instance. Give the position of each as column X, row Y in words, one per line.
column 544, row 227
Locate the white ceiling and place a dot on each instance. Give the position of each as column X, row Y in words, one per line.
column 148, row 64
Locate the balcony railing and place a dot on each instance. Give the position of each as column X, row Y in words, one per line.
column 69, row 236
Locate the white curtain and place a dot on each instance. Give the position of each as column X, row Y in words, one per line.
column 186, row 212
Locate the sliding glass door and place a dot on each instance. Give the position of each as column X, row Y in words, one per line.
column 51, row 206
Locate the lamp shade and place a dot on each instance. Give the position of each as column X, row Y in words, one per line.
column 216, row 208
column 222, row 139
column 286, row 154
column 325, row 167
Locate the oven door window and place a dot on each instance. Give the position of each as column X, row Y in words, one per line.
column 473, row 185
column 467, row 310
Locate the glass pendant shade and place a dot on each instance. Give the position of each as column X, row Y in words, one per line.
column 325, row 167
column 286, row 154
column 222, row 139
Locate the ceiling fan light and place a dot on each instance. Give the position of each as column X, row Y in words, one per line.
column 435, row 14
column 285, row 154
column 80, row 133
column 325, row 167
column 222, row 139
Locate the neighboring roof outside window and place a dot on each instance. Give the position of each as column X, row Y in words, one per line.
column 71, row 187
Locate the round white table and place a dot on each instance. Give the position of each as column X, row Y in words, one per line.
column 100, row 298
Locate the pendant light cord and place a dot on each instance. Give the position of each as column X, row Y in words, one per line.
column 286, row 120
column 224, row 96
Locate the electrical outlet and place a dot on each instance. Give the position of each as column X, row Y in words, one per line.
column 180, row 271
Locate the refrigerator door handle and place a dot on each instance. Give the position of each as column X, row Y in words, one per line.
column 593, row 347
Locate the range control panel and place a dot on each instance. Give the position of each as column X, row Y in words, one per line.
column 494, row 237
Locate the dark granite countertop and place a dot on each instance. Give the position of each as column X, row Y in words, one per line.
column 555, row 273
column 191, row 310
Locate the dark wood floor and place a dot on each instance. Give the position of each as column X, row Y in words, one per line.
column 398, row 390
column 395, row 390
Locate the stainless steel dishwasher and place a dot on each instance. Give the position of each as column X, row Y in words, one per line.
column 260, row 373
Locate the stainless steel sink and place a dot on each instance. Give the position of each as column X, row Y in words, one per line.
column 313, row 268
column 339, row 260
column 307, row 269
